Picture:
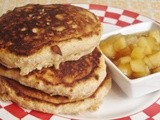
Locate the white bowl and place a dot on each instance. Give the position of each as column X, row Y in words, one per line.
column 140, row 86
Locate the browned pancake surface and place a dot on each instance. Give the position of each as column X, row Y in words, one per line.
column 22, row 90
column 71, row 71
column 27, row 29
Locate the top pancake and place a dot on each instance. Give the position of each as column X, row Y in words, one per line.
column 36, row 36
column 27, row 29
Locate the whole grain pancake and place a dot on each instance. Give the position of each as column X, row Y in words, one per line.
column 11, row 90
column 69, row 80
column 36, row 36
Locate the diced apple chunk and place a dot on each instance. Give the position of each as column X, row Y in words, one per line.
column 125, row 68
column 131, row 39
column 125, row 59
column 147, row 62
column 152, row 41
column 155, row 60
column 156, row 48
column 119, row 43
column 145, row 44
column 139, row 68
column 141, row 74
column 155, row 34
column 108, row 50
column 142, row 42
column 138, row 53
column 138, row 65
column 123, row 52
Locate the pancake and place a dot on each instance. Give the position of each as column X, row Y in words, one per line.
column 11, row 90
column 36, row 36
column 69, row 80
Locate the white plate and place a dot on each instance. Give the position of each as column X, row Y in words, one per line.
column 116, row 104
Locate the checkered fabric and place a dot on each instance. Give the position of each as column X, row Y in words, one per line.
column 106, row 14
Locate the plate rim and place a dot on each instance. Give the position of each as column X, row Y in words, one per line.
column 158, row 92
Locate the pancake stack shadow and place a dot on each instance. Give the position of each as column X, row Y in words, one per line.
column 50, row 60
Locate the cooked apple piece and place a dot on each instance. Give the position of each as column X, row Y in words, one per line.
column 152, row 41
column 125, row 59
column 125, row 68
column 108, row 40
column 119, row 42
column 123, row 52
column 137, row 65
column 138, row 53
column 155, row 70
column 139, row 68
column 141, row 74
column 147, row 62
column 155, row 60
column 155, row 34
column 132, row 46
column 108, row 49
column 145, row 44
column 131, row 39
column 156, row 48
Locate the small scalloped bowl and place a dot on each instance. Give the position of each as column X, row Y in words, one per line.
column 139, row 86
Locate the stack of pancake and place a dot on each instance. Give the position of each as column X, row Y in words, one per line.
column 49, row 59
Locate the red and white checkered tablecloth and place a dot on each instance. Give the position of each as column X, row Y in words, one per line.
column 106, row 14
